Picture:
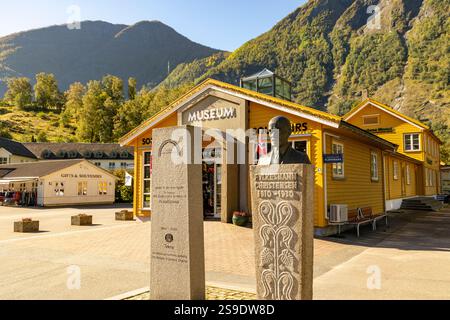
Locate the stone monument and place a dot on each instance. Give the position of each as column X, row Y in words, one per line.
column 177, row 239
column 282, row 208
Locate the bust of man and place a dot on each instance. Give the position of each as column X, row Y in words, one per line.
column 282, row 152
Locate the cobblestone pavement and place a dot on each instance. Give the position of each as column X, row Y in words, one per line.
column 212, row 293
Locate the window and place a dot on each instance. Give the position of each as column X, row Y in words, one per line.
column 395, row 166
column 82, row 188
column 59, row 189
column 301, row 146
column 371, row 120
column 408, row 175
column 103, row 188
column 98, row 164
column 3, row 160
column 147, row 180
column 123, row 165
column 374, row 166
column 112, row 165
column 338, row 168
column 412, row 142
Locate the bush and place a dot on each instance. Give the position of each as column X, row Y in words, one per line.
column 124, row 194
column 41, row 137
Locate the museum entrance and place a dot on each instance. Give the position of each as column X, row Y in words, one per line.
column 212, row 183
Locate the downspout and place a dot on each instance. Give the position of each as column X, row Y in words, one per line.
column 383, row 154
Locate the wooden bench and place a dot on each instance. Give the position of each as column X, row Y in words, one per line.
column 368, row 212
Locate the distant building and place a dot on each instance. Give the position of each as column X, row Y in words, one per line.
column 107, row 156
column 14, row 152
column 57, row 183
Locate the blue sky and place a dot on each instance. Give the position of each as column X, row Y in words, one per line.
column 222, row 24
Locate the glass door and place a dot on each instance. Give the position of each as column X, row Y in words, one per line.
column 212, row 184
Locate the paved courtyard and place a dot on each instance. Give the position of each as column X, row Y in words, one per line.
column 412, row 257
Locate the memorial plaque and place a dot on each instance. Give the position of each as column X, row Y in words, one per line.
column 282, row 208
column 177, row 248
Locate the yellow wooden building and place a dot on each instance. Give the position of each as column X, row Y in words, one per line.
column 414, row 170
column 361, row 180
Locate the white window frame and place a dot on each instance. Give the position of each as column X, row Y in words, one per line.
column 410, row 136
column 395, row 169
column 371, row 116
column 144, row 194
column 337, row 166
column 3, row 160
column 374, row 166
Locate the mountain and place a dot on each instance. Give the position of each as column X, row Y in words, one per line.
column 142, row 50
column 335, row 52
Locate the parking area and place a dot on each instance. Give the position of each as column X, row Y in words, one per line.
column 114, row 257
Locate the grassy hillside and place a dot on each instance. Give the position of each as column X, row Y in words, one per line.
column 24, row 125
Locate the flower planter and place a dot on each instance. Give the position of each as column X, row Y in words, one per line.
column 82, row 220
column 26, row 226
column 240, row 221
column 124, row 216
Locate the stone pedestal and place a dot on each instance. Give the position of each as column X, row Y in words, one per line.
column 177, row 239
column 283, row 221
column 81, row 220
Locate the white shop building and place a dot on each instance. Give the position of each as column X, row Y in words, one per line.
column 58, row 183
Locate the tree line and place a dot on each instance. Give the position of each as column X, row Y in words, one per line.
column 101, row 111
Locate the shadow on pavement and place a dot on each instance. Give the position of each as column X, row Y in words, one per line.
column 410, row 230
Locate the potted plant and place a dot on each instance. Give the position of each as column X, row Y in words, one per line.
column 26, row 225
column 82, row 220
column 124, row 215
column 240, row 218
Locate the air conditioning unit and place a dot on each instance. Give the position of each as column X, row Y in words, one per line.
column 338, row 213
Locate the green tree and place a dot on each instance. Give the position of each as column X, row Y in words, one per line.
column 19, row 92
column 113, row 87
column 46, row 92
column 93, row 100
column 74, row 101
column 132, row 83
column 41, row 137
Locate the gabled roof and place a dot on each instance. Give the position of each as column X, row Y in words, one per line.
column 35, row 169
column 41, row 169
column 16, row 148
column 280, row 104
column 387, row 109
column 391, row 111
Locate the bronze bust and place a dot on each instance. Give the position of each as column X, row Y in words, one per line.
column 282, row 152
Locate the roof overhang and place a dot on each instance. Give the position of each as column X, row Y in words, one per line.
column 13, row 180
column 180, row 104
column 361, row 132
